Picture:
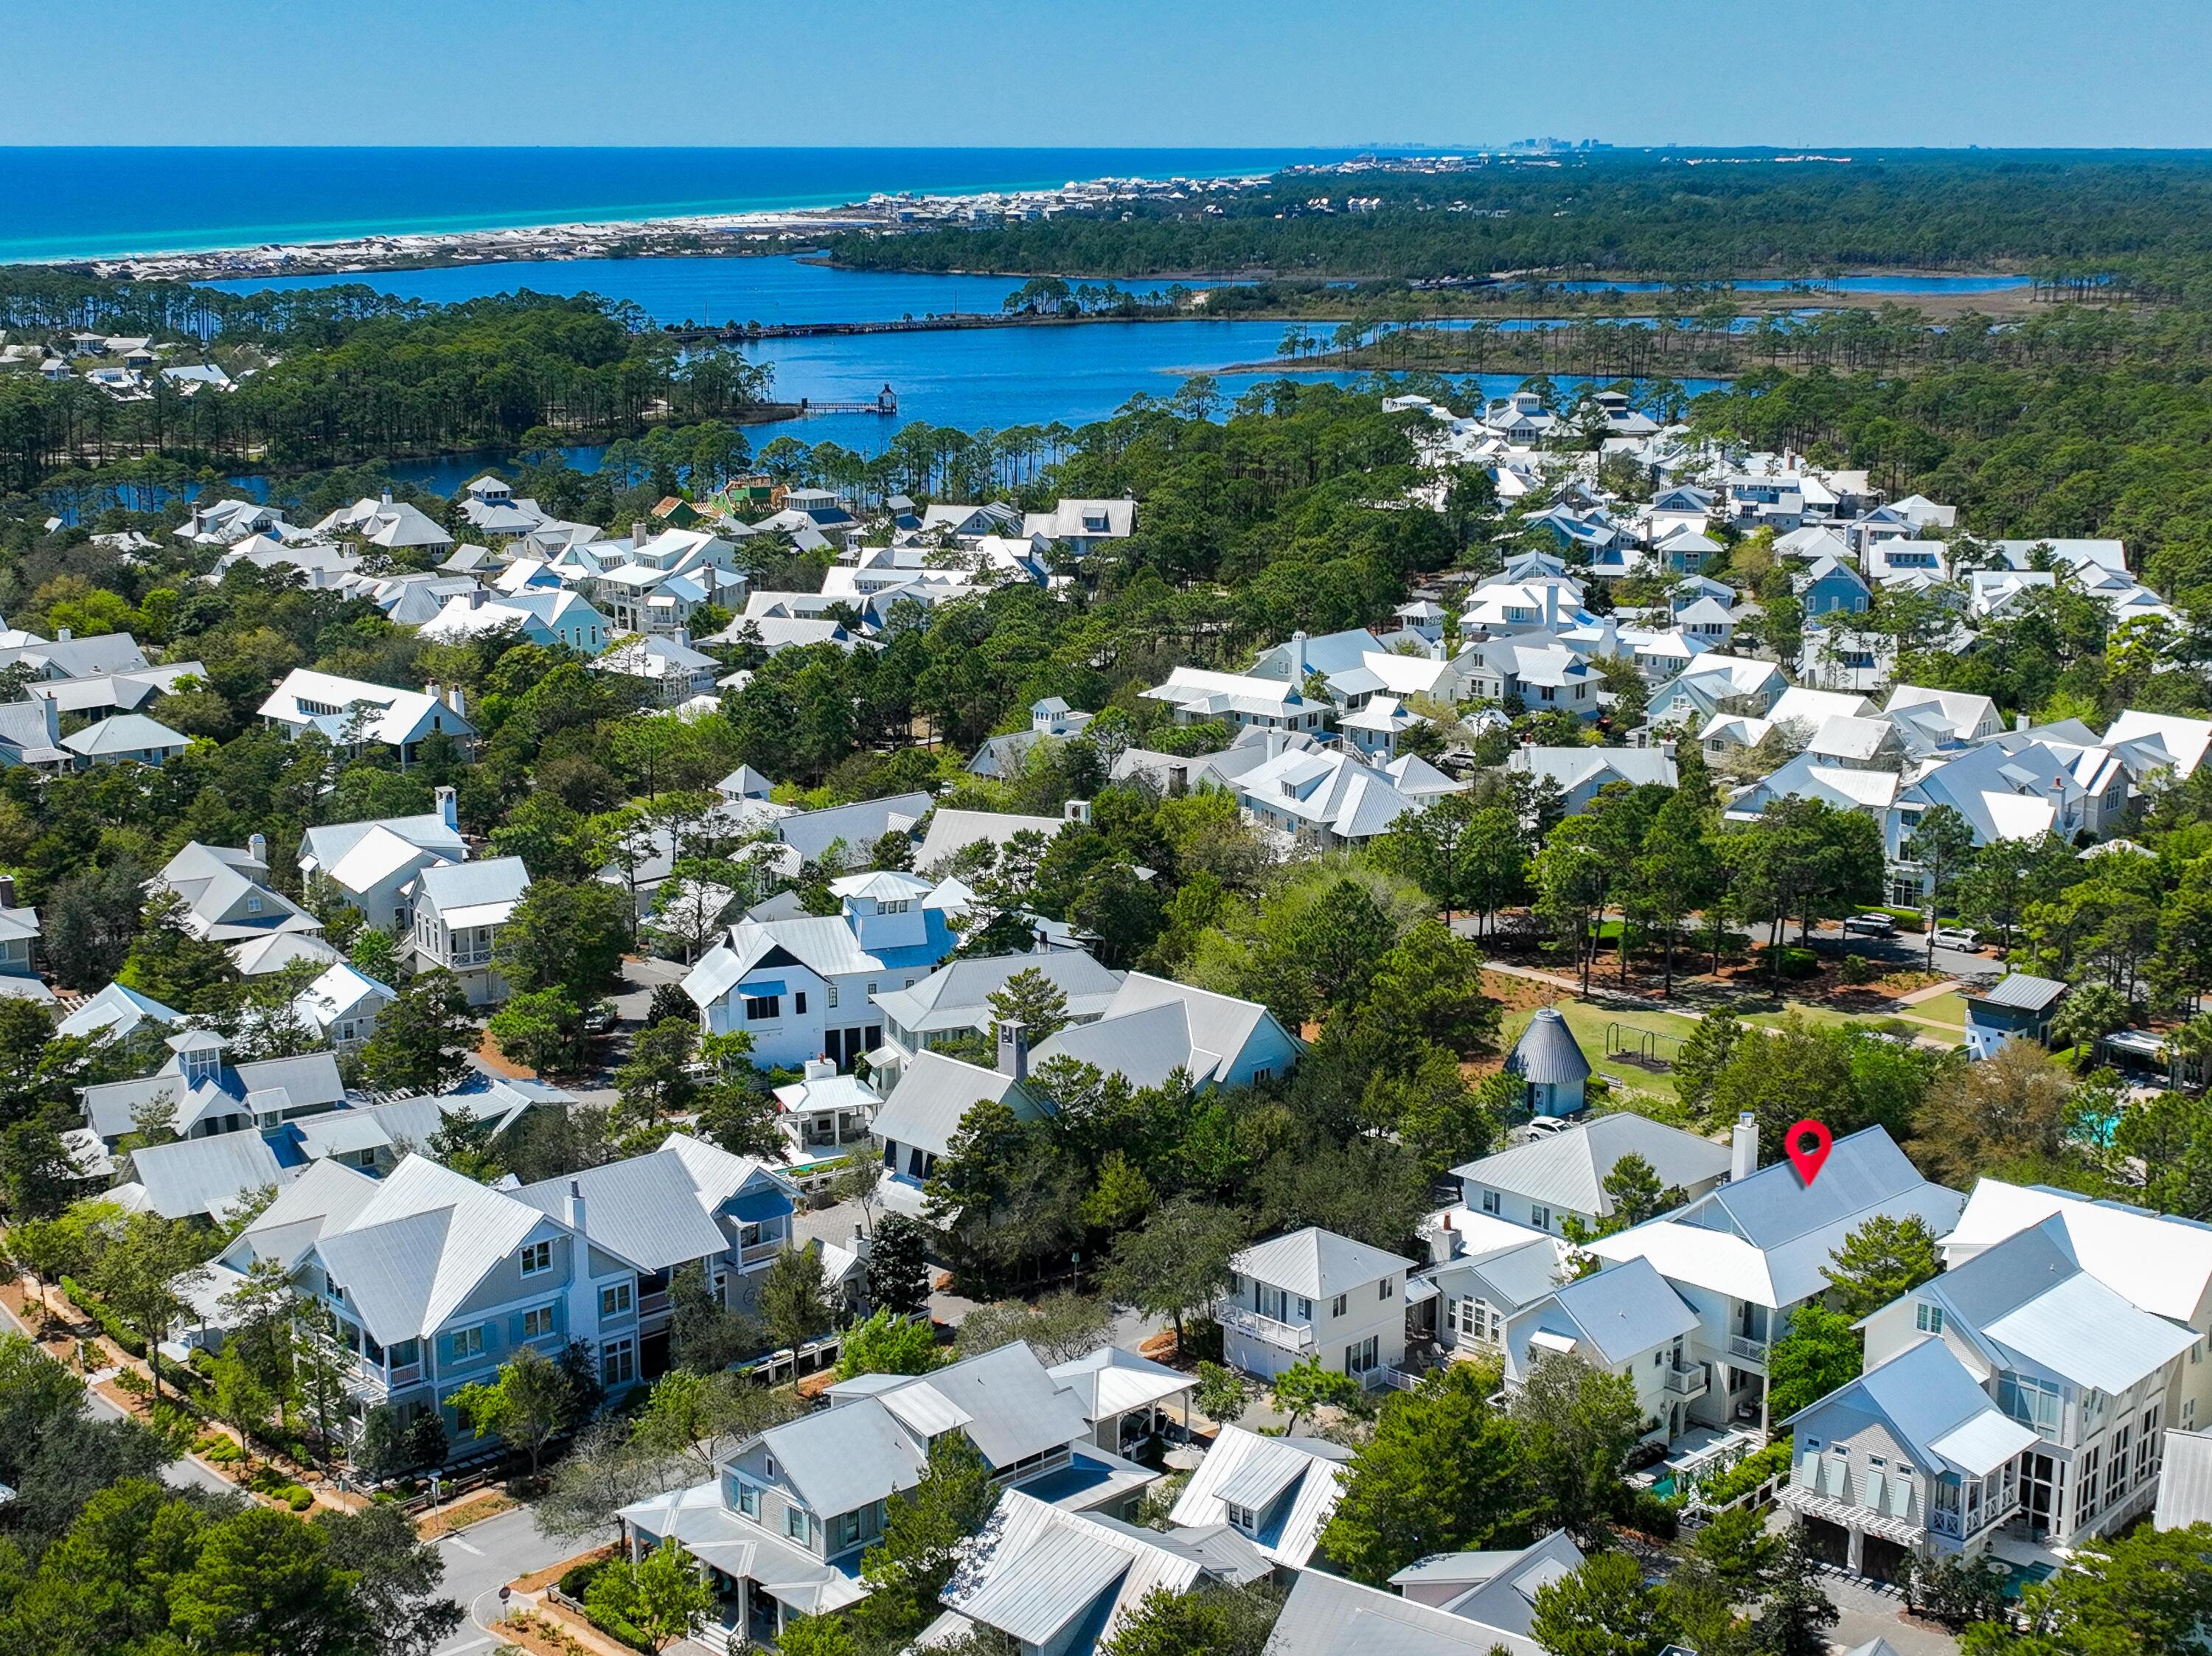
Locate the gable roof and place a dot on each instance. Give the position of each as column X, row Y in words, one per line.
column 194, row 1176
column 957, row 996
column 1568, row 1169
column 2162, row 1264
column 419, row 1244
column 1317, row 1264
column 1619, row 1313
column 1205, row 1041
column 1259, row 1472
column 653, row 1211
column 1328, row 1615
column 1934, row 1408
column 1766, row 1238
column 935, row 1093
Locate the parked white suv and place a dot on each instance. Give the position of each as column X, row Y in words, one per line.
column 1869, row 925
column 1956, row 937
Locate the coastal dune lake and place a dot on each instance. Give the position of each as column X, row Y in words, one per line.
column 994, row 378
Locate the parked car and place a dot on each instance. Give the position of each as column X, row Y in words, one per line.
column 1956, row 937
column 1869, row 925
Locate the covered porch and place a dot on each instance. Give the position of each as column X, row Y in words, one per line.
column 760, row 1582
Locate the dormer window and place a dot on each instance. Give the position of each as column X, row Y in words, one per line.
column 537, row 1257
column 1242, row 1519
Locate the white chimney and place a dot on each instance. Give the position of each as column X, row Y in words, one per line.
column 257, row 847
column 1552, row 606
column 449, row 809
column 62, row 636
column 639, row 533
column 1298, row 657
column 1013, row 1048
column 1743, row 1147
column 2019, row 721
column 1077, row 810
column 818, row 1069
column 476, row 597
column 7, row 891
column 457, row 700
column 575, row 1206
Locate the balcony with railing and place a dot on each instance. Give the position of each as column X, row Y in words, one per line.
column 1285, row 1337
column 761, row 1252
column 1742, row 1347
column 1687, row 1379
column 653, row 1304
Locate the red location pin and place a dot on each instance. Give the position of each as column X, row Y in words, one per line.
column 1808, row 1144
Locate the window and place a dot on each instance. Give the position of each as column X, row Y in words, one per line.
column 1491, row 1203
column 615, row 1301
column 618, row 1362
column 1363, row 1358
column 799, row 1002
column 537, row 1322
column 763, row 1009
column 796, row 1524
column 2034, row 1404
column 1929, row 1317
column 467, row 1343
column 1305, row 1309
column 536, row 1257
column 872, row 988
column 748, row 1499
column 1539, row 1216
column 1383, row 1288
column 1340, row 1305
column 849, row 1530
column 833, row 994
column 1242, row 1518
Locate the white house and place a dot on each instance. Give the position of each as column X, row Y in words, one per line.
column 1548, row 1180
column 352, row 713
column 1314, row 1294
column 806, row 988
column 370, row 865
column 459, row 909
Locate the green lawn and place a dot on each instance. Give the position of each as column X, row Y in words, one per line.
column 1590, row 1025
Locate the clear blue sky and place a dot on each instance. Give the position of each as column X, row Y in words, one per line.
column 1111, row 72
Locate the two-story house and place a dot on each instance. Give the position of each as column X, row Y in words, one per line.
column 1314, row 1294
column 806, row 988
column 459, row 909
column 1627, row 1322
column 1545, row 1182
column 431, row 1280
column 2063, row 1354
column 369, row 865
column 2161, row 1264
column 782, row 1527
column 226, row 893
column 915, row 1127
column 355, row 715
column 647, row 1216
column 1746, row 1256
column 1240, row 701
column 198, row 1093
column 1911, row 1459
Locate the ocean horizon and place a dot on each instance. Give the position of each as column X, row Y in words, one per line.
column 78, row 202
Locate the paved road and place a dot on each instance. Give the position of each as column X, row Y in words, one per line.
column 484, row 1557
column 178, row 1474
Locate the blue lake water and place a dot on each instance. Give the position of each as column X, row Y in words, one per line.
column 90, row 202
column 777, row 289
